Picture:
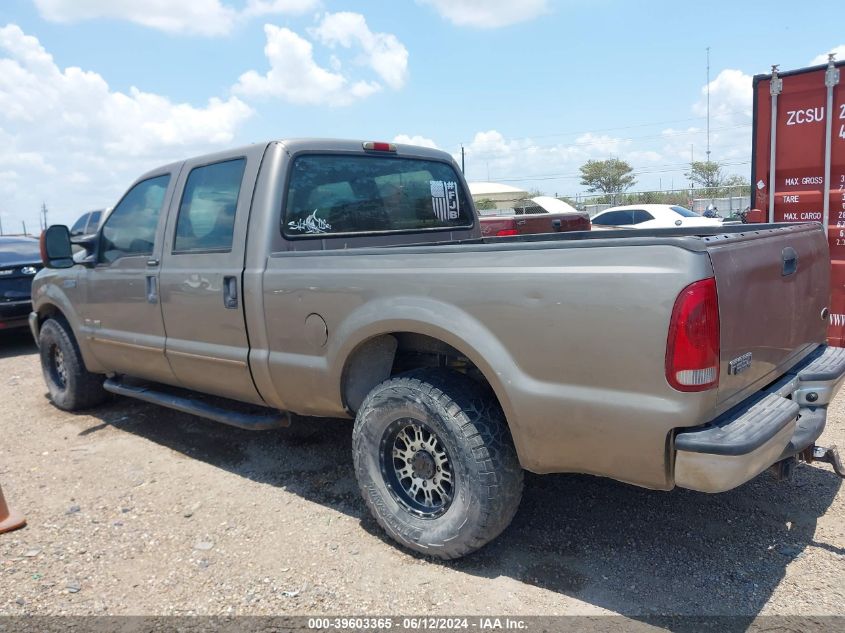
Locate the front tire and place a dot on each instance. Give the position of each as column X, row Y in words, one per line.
column 72, row 387
column 435, row 462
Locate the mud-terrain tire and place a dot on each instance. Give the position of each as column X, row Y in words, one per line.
column 411, row 430
column 71, row 386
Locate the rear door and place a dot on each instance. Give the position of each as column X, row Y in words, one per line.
column 772, row 288
column 202, row 274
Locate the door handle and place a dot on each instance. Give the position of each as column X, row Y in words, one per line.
column 152, row 289
column 230, row 293
column 790, row 261
column 152, row 262
column 556, row 225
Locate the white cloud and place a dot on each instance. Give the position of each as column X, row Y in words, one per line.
column 551, row 167
column 293, row 7
column 731, row 98
column 731, row 105
column 295, row 75
column 90, row 140
column 383, row 52
column 199, row 17
column 193, row 17
column 839, row 51
column 421, row 141
column 488, row 14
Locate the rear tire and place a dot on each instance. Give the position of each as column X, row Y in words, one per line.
column 435, row 462
column 71, row 386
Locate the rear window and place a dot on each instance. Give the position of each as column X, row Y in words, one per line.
column 330, row 194
column 685, row 212
column 641, row 216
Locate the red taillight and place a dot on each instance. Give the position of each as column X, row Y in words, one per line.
column 379, row 146
column 507, row 233
column 692, row 351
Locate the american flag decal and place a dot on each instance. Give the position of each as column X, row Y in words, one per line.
column 444, row 200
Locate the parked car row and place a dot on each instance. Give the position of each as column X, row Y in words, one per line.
column 20, row 260
column 539, row 218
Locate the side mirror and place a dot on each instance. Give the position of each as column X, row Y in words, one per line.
column 56, row 251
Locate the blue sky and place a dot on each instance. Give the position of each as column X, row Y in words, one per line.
column 94, row 92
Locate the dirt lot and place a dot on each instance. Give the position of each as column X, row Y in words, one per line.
column 137, row 510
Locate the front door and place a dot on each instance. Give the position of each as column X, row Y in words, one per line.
column 121, row 314
column 202, row 273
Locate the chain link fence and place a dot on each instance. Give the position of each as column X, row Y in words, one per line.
column 729, row 201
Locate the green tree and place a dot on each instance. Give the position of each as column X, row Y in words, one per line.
column 736, row 180
column 484, row 204
column 706, row 173
column 612, row 176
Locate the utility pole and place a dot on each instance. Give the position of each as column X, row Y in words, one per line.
column 23, row 222
column 691, row 161
column 43, row 219
column 1, row 225
column 708, row 104
column 463, row 163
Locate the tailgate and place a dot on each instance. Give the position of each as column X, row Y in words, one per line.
column 772, row 285
column 551, row 223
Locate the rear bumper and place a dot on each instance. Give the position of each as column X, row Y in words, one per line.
column 775, row 424
column 14, row 314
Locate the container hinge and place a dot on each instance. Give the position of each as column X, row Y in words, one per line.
column 776, row 84
column 831, row 75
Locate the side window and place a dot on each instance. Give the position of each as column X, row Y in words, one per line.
column 642, row 216
column 206, row 219
column 93, row 222
column 131, row 227
column 614, row 218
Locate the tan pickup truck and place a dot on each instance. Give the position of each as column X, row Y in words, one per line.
column 350, row 279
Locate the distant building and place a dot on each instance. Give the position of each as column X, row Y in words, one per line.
column 503, row 196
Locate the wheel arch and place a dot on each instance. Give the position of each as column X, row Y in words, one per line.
column 53, row 306
column 370, row 354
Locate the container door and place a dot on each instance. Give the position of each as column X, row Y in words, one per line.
column 799, row 180
column 202, row 275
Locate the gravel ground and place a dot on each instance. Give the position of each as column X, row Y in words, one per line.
column 137, row 510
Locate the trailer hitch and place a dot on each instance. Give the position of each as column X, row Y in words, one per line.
column 826, row 455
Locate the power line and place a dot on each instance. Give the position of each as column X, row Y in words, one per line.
column 672, row 134
column 621, row 127
column 666, row 168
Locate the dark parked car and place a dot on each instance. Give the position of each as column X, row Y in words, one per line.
column 20, row 259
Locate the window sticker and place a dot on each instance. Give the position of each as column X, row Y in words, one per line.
column 311, row 224
column 444, row 200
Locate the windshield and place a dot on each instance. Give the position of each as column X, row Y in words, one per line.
column 79, row 226
column 685, row 212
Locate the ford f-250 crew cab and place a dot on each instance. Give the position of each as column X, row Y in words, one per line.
column 340, row 278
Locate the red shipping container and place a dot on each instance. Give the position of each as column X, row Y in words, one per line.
column 800, row 160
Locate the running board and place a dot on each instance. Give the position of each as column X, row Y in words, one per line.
column 248, row 417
